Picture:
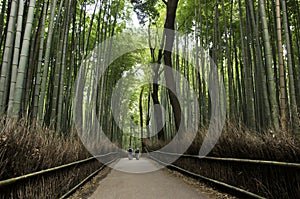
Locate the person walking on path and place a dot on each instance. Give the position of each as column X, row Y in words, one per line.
column 137, row 153
column 130, row 157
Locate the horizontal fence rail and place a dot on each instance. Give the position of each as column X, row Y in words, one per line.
column 253, row 195
column 23, row 177
column 85, row 180
column 266, row 162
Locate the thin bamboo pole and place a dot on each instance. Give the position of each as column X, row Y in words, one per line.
column 16, row 179
column 267, row 162
column 253, row 195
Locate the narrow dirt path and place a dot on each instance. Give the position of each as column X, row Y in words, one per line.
column 153, row 185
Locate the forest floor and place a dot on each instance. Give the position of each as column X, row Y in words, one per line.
column 163, row 183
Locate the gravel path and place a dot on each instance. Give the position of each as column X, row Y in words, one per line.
column 153, row 185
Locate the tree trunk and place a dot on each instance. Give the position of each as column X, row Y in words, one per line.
column 141, row 118
column 169, row 76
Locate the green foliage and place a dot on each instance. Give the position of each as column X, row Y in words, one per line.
column 146, row 10
column 186, row 16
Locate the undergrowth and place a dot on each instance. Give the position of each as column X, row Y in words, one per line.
column 29, row 148
column 239, row 142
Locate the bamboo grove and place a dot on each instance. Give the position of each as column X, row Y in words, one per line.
column 254, row 44
column 42, row 46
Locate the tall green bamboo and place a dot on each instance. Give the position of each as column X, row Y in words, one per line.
column 63, row 69
column 41, row 107
column 283, row 100
column 248, row 74
column 293, row 104
column 269, row 65
column 19, row 90
column 15, row 59
column 39, row 64
column 2, row 14
column 7, row 56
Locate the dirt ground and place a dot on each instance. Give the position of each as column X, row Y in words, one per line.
column 164, row 183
